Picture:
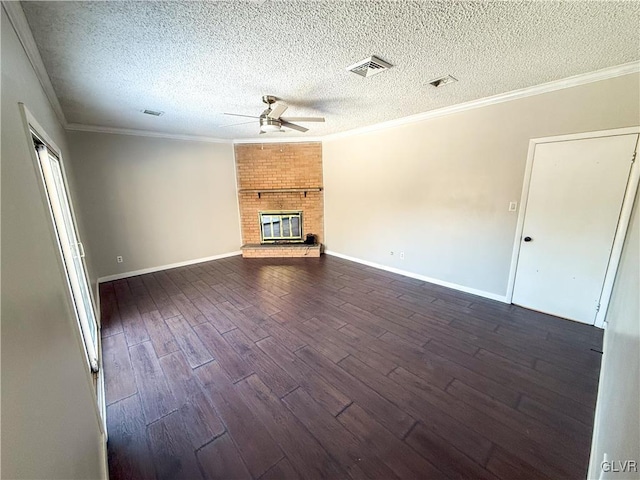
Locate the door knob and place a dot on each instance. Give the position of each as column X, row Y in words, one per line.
column 527, row 239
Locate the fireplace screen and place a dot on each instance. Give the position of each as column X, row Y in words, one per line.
column 280, row 227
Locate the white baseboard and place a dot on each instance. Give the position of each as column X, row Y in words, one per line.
column 417, row 276
column 119, row 276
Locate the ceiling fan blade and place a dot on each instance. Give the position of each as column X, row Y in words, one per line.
column 235, row 124
column 303, row 119
column 293, row 126
column 277, row 109
column 238, row 115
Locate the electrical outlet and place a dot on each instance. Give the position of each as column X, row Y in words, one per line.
column 401, row 255
column 513, row 206
column 119, row 259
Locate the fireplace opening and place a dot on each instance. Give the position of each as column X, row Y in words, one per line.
column 281, row 227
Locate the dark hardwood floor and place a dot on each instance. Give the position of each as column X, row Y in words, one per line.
column 323, row 368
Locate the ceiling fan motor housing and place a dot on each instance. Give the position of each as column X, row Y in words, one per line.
column 269, row 99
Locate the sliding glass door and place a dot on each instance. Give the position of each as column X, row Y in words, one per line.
column 71, row 248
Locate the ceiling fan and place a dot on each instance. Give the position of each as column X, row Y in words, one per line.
column 271, row 119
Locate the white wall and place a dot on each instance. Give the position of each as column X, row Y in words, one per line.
column 50, row 423
column 617, row 422
column 154, row 201
column 439, row 189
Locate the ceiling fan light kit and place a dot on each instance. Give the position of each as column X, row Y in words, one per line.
column 268, row 125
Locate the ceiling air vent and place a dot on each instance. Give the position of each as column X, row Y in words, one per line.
column 442, row 81
column 369, row 67
column 155, row 113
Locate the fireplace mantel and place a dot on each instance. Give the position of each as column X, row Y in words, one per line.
column 260, row 191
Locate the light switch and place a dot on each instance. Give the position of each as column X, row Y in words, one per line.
column 513, row 206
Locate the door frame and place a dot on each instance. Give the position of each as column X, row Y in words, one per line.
column 623, row 221
column 30, row 124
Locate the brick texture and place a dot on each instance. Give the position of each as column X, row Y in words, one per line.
column 279, row 251
column 280, row 165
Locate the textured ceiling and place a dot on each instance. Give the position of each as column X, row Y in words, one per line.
column 195, row 60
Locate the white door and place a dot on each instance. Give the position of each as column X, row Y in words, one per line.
column 572, row 211
column 71, row 249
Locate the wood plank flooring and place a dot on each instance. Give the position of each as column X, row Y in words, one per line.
column 323, row 368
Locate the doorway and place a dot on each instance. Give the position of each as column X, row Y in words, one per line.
column 575, row 208
column 71, row 249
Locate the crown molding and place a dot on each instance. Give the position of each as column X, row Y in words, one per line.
column 19, row 22
column 240, row 141
column 16, row 16
column 574, row 81
column 78, row 127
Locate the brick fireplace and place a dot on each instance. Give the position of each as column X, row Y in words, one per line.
column 280, row 177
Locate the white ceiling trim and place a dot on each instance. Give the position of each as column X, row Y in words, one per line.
column 21, row 26
column 279, row 140
column 77, row 127
column 598, row 75
column 18, row 20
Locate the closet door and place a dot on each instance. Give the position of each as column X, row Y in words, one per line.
column 575, row 197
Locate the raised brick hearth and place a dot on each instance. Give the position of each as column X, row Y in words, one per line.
column 256, row 250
